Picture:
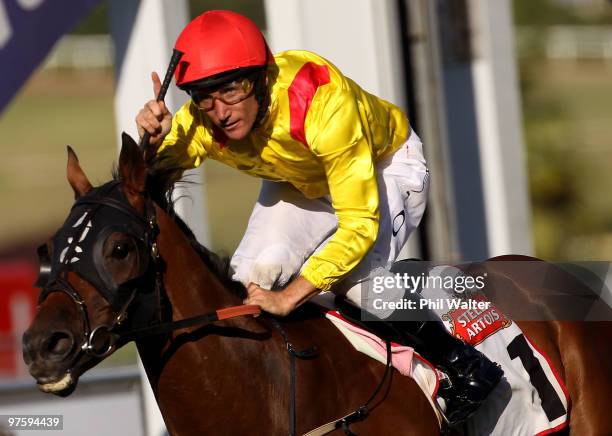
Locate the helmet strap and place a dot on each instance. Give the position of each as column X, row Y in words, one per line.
column 263, row 99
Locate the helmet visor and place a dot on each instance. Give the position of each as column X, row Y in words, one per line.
column 220, row 79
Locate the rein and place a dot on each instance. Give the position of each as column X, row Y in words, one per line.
column 344, row 423
column 207, row 318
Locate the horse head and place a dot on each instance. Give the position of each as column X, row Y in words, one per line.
column 94, row 271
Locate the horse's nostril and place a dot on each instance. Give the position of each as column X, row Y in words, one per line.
column 58, row 344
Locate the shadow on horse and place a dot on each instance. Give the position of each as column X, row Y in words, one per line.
column 125, row 267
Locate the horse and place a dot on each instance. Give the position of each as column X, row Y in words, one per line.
column 132, row 270
column 231, row 376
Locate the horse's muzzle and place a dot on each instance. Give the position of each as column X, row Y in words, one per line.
column 48, row 355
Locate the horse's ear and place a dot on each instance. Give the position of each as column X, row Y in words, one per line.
column 76, row 177
column 132, row 168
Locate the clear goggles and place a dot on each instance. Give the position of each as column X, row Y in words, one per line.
column 230, row 93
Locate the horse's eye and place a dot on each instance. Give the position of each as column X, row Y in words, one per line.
column 121, row 249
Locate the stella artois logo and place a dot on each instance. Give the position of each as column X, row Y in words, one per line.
column 475, row 325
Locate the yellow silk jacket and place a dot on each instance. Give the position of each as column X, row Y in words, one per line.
column 322, row 134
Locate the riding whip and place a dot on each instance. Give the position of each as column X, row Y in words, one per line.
column 174, row 60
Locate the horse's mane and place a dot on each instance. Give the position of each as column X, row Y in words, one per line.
column 160, row 186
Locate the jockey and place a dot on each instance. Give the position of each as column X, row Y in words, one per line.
column 345, row 181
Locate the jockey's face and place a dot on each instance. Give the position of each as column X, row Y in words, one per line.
column 235, row 120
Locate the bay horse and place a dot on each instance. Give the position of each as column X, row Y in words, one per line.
column 123, row 263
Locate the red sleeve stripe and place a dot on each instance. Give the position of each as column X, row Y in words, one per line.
column 301, row 91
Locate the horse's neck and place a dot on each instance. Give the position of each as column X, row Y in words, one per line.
column 190, row 286
column 191, row 361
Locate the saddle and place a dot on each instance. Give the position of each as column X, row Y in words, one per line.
column 386, row 330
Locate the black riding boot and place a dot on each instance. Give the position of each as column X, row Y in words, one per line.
column 472, row 375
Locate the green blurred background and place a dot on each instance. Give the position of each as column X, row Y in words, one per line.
column 567, row 122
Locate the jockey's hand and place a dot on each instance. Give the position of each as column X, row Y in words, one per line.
column 154, row 117
column 274, row 302
column 281, row 303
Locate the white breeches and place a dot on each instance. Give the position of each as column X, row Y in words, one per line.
column 285, row 228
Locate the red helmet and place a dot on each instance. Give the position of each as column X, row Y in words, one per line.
column 218, row 42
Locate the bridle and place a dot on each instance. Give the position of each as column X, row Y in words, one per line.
column 104, row 339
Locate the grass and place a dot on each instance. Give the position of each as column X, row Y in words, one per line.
column 60, row 108
column 54, row 109
column 567, row 115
